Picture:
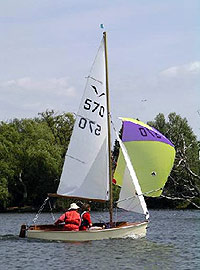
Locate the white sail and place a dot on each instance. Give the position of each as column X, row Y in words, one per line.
column 85, row 170
column 131, row 197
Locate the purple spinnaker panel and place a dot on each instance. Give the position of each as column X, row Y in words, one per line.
column 137, row 132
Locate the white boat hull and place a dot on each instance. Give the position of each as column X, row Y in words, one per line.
column 133, row 230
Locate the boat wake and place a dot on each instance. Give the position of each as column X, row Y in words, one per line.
column 134, row 236
column 9, row 237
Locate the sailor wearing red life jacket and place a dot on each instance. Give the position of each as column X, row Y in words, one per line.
column 86, row 222
column 71, row 218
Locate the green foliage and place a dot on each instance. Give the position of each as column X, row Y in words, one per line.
column 3, row 193
column 32, row 152
column 31, row 158
column 61, row 127
column 184, row 181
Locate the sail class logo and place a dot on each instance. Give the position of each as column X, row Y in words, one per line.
column 96, row 91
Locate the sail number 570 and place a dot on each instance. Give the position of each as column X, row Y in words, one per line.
column 94, row 106
column 93, row 127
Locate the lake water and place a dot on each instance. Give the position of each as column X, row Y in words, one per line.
column 172, row 242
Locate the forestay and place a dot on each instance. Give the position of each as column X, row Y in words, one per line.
column 85, row 170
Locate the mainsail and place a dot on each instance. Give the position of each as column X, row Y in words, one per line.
column 151, row 155
column 85, row 171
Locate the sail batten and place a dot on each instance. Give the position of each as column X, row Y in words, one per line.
column 55, row 195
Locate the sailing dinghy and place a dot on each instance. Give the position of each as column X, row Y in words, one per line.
column 145, row 161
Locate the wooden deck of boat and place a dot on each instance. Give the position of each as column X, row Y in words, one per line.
column 53, row 227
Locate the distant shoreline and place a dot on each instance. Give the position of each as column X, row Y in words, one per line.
column 28, row 209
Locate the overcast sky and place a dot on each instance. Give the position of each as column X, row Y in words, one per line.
column 47, row 48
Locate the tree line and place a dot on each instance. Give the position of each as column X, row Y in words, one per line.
column 32, row 153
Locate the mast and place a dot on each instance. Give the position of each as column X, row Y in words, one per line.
column 109, row 133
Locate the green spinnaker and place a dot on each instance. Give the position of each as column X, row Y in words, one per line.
column 152, row 160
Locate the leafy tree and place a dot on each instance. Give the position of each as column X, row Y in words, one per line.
column 3, row 192
column 32, row 152
column 32, row 158
column 7, row 162
column 61, row 127
column 184, row 181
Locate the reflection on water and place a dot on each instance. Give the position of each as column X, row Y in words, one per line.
column 172, row 243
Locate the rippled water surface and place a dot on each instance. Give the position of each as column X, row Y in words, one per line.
column 172, row 242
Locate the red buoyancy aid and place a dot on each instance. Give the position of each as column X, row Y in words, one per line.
column 86, row 221
column 72, row 220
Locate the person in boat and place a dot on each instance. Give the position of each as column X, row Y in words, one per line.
column 86, row 222
column 71, row 218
